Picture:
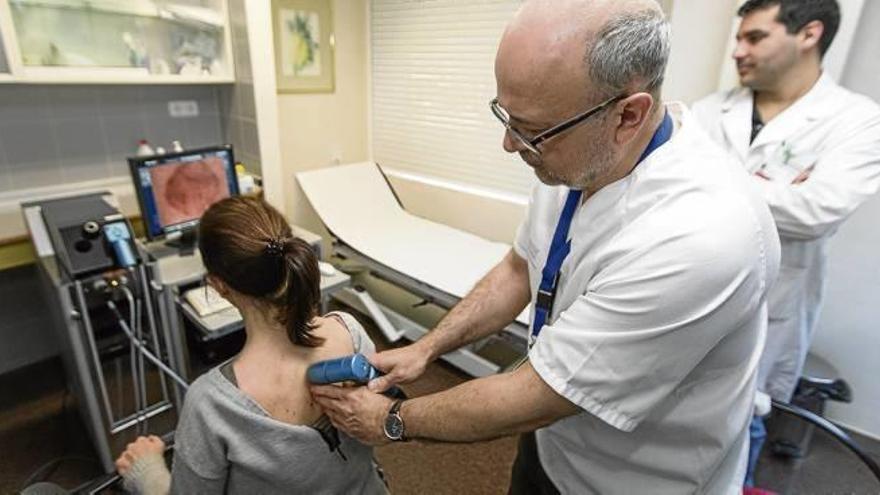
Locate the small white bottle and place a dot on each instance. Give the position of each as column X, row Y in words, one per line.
column 246, row 183
column 144, row 148
column 160, row 150
column 176, row 147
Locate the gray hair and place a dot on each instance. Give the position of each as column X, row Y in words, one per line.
column 632, row 48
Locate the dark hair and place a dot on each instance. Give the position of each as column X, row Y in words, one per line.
column 248, row 244
column 795, row 14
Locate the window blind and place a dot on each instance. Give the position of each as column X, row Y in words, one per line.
column 432, row 80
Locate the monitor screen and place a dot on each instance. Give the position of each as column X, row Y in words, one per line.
column 175, row 189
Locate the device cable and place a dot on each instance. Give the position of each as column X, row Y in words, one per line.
column 832, row 429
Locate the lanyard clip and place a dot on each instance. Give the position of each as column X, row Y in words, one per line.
column 544, row 299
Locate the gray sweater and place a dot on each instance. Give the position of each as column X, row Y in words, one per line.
column 227, row 443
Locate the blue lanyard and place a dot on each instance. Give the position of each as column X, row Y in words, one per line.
column 561, row 244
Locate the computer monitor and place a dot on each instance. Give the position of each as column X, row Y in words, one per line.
column 175, row 189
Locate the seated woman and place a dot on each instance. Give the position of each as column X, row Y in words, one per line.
column 250, row 425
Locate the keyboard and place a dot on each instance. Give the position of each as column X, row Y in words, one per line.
column 205, row 300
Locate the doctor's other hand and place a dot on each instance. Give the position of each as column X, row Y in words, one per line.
column 401, row 365
column 355, row 410
column 803, row 176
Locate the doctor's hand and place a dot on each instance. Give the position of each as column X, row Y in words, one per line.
column 803, row 176
column 357, row 411
column 401, row 365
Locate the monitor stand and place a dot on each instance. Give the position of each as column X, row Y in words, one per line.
column 185, row 242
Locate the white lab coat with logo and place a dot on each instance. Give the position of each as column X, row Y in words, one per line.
column 835, row 131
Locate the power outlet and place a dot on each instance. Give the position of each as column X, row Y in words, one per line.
column 183, row 108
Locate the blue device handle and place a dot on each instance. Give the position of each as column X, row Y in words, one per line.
column 118, row 235
column 353, row 368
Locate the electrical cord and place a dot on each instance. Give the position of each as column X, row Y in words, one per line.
column 142, row 377
column 107, row 481
column 132, row 353
column 146, row 352
column 44, row 471
column 833, row 430
column 137, row 359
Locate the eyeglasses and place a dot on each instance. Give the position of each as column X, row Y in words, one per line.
column 532, row 144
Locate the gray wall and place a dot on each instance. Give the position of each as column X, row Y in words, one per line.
column 26, row 335
column 55, row 134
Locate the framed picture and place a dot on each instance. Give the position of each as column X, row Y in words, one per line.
column 303, row 31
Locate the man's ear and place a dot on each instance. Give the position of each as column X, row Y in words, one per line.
column 810, row 35
column 632, row 112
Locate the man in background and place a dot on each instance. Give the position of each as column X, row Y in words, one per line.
column 645, row 257
column 813, row 150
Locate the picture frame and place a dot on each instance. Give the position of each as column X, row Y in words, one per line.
column 304, row 46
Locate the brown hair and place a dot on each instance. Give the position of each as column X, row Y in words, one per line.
column 248, row 244
column 795, row 14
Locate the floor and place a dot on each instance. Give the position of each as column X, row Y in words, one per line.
column 39, row 425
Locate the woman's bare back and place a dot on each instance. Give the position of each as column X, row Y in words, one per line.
column 278, row 383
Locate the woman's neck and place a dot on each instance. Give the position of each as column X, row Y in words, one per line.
column 267, row 339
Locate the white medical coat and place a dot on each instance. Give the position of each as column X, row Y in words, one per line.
column 835, row 131
column 657, row 324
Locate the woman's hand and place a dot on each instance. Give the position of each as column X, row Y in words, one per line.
column 140, row 448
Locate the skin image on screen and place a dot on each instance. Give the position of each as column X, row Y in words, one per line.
column 183, row 191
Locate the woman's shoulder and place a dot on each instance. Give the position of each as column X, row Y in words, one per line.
column 359, row 338
column 210, row 388
column 204, row 384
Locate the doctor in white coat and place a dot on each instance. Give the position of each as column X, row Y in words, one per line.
column 813, row 149
column 645, row 257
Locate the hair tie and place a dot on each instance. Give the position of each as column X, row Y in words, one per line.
column 275, row 247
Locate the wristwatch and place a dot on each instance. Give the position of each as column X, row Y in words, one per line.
column 393, row 427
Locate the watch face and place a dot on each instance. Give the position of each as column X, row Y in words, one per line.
column 393, row 427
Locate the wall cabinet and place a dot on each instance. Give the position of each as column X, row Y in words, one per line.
column 115, row 41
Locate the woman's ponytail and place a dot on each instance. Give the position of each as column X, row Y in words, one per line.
column 250, row 246
column 302, row 296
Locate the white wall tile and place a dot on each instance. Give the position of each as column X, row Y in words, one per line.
column 50, row 134
column 74, row 101
column 80, row 141
column 205, row 131
column 123, row 133
column 19, row 103
column 120, row 100
column 35, row 174
column 28, row 141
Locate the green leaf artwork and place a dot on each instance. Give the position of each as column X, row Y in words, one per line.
column 303, row 32
column 303, row 39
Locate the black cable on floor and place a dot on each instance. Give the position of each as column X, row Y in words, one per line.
column 46, row 469
column 833, row 430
